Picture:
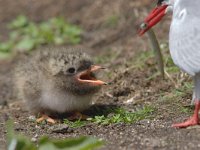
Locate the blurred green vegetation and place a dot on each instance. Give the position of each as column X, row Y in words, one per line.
column 26, row 35
column 20, row 142
column 112, row 21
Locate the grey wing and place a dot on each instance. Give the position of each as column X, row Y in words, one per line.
column 192, row 6
column 185, row 45
column 27, row 83
column 30, row 92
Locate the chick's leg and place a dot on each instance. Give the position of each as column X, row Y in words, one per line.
column 45, row 118
column 194, row 120
column 77, row 116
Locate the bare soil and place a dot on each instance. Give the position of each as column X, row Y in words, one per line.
column 119, row 46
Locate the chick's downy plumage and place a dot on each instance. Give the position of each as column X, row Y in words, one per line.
column 57, row 81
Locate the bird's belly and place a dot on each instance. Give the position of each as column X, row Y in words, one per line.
column 62, row 102
column 181, row 61
column 177, row 57
column 185, row 48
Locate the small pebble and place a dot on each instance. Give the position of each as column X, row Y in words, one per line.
column 33, row 139
column 61, row 128
column 32, row 118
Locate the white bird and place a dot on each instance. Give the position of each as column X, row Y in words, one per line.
column 184, row 42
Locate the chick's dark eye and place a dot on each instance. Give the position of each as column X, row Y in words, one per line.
column 71, row 70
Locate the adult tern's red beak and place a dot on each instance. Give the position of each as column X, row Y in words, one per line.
column 153, row 18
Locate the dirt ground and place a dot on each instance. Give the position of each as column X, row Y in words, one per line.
column 118, row 44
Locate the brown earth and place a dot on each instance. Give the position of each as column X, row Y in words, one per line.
column 119, row 46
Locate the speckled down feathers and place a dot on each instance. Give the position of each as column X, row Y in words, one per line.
column 43, row 83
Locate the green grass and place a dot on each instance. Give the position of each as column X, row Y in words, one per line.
column 173, row 98
column 178, row 93
column 118, row 115
column 183, row 86
column 142, row 58
column 109, row 57
column 183, row 89
column 26, row 35
column 141, row 61
column 186, row 110
column 170, row 67
column 123, row 116
column 112, row 21
column 20, row 142
column 75, row 124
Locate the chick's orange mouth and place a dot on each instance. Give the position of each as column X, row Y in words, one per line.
column 88, row 76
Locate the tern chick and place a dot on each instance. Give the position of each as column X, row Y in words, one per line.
column 57, row 81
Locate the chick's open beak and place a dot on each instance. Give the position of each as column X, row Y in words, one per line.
column 153, row 18
column 87, row 76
